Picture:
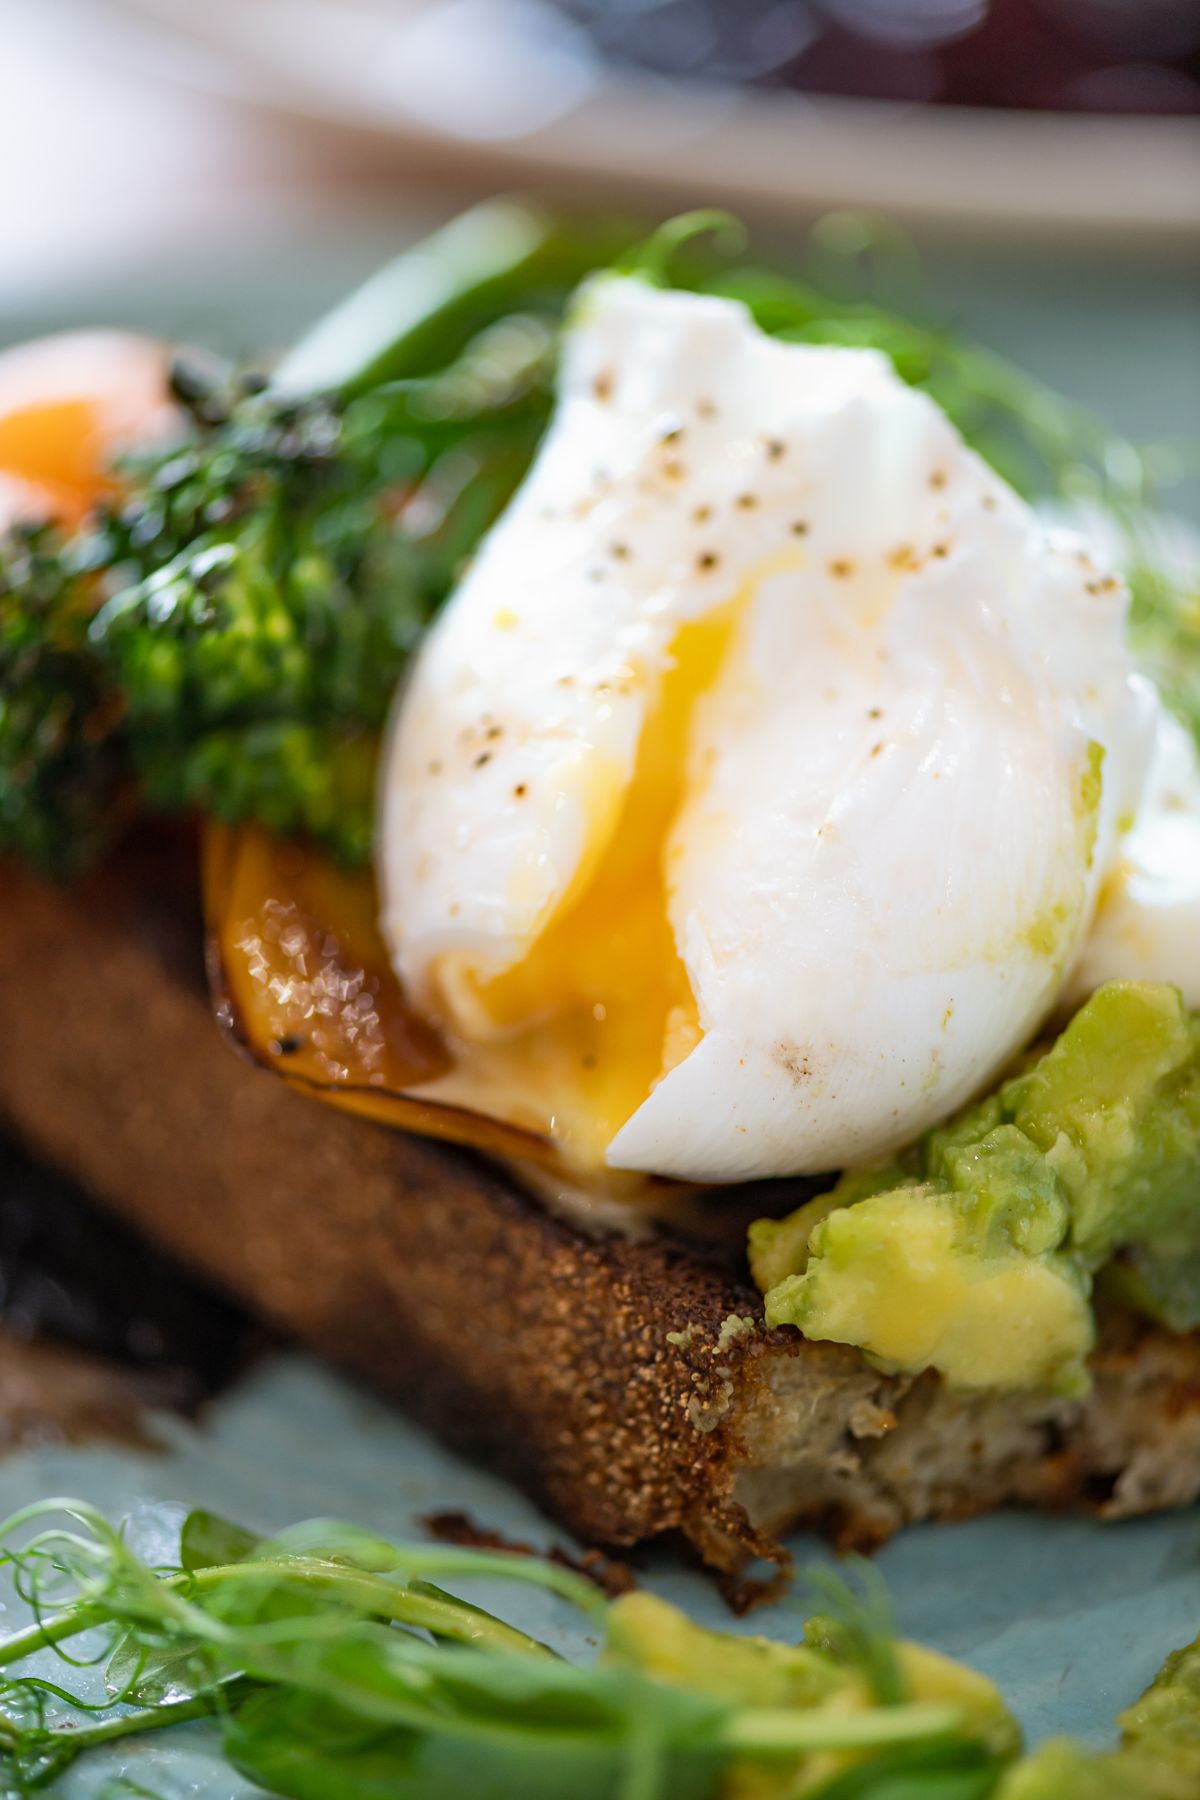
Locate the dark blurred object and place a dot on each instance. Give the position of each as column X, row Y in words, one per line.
column 1105, row 56
column 74, row 1278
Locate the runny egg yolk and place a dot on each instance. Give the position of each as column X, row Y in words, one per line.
column 600, row 1008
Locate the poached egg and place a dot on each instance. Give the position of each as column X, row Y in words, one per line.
column 749, row 803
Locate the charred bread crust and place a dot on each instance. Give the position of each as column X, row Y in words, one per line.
column 603, row 1374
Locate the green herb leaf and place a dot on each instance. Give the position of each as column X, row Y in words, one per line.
column 321, row 1752
column 207, row 1541
column 952, row 1772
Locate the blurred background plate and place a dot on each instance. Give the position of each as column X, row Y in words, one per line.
column 691, row 100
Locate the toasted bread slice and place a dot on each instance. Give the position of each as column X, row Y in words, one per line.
column 601, row 1372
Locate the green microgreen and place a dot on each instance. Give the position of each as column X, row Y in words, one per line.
column 333, row 1663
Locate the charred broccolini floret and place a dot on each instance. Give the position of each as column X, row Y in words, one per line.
column 229, row 637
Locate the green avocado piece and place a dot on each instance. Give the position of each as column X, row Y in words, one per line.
column 1166, row 1720
column 1115, row 1108
column 1160, row 1278
column 930, row 1676
column 661, row 1641
column 921, row 1277
column 974, row 1253
column 1062, row 1770
column 778, row 1247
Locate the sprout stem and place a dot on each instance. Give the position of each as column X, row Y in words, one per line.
column 39, row 1636
column 767, row 1730
column 146, row 1718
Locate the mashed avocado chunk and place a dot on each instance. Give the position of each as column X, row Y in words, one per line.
column 974, row 1253
column 916, row 1279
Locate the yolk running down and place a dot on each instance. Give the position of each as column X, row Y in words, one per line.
column 601, row 1007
